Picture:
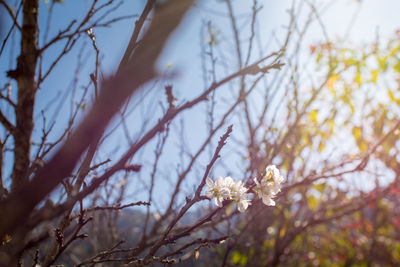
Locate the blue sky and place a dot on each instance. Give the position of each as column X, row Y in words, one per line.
column 183, row 51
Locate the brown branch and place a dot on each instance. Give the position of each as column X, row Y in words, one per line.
column 118, row 207
column 120, row 165
column 11, row 13
column 201, row 241
column 7, row 124
column 189, row 203
column 127, row 81
column 25, row 76
column 12, row 27
column 138, row 27
column 63, row 246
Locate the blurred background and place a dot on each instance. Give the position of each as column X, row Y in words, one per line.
column 326, row 114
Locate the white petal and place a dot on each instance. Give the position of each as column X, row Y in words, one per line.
column 264, row 181
column 243, row 190
column 242, row 205
column 209, row 194
column 219, row 182
column 218, row 201
column 224, row 192
column 271, row 168
column 275, row 189
column 239, row 184
column 210, row 182
column 268, row 201
column 256, row 181
column 228, row 180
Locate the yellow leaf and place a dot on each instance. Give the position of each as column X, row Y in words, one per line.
column 397, row 66
column 320, row 187
column 313, row 116
column 319, row 57
column 331, row 124
column 352, row 108
column 383, row 65
column 391, row 95
column 282, row 232
column 351, row 61
column 394, row 51
column 321, row 147
column 332, row 80
column 356, row 133
column 357, row 79
column 363, row 146
column 374, row 76
column 312, row 202
column 196, row 254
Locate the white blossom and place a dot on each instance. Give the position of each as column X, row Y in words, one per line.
column 219, row 190
column 227, row 189
column 270, row 185
column 239, row 195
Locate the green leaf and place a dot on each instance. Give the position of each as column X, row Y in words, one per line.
column 236, row 257
column 239, row 258
column 319, row 57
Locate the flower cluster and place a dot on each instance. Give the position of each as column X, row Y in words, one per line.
column 270, row 185
column 227, row 189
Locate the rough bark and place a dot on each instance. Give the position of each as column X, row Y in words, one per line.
column 25, row 77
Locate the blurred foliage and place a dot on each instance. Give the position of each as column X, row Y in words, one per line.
column 322, row 219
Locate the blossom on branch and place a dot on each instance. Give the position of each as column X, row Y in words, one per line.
column 270, row 185
column 219, row 190
column 239, row 195
column 227, row 189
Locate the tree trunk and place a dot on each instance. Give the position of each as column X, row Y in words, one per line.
column 25, row 77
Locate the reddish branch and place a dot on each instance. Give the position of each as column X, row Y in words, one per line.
column 114, row 92
column 189, row 203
